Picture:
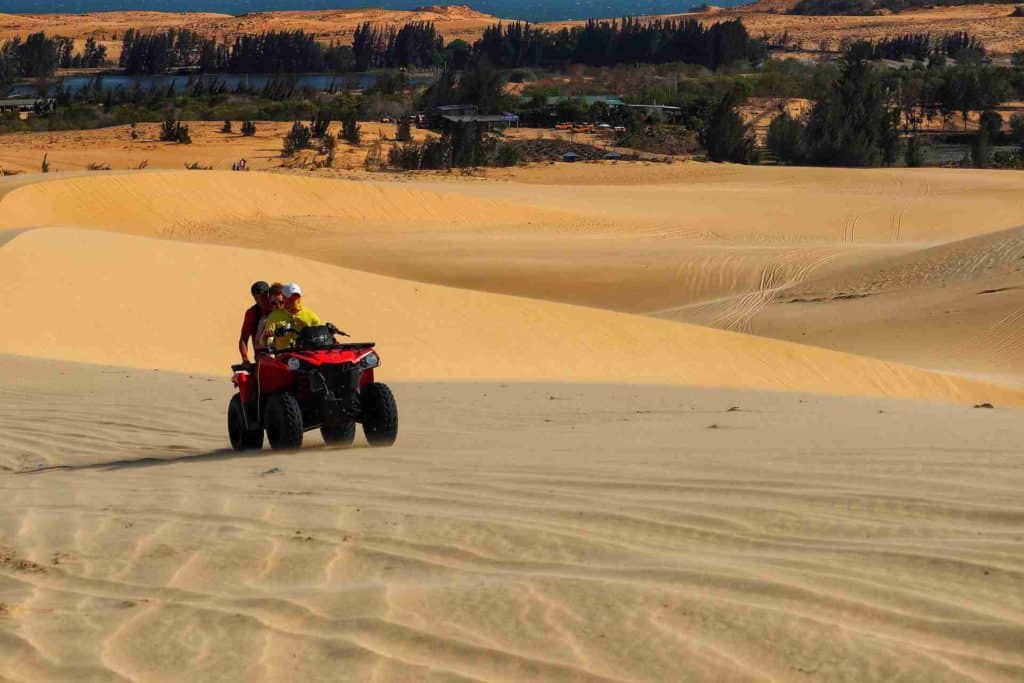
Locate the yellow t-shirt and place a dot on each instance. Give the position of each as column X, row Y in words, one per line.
column 282, row 318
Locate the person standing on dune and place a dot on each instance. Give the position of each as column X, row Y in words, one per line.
column 293, row 315
column 260, row 291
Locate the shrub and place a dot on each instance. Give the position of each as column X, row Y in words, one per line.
column 350, row 130
column 436, row 154
column 226, row 128
column 507, row 155
column 248, row 128
column 174, row 130
column 404, row 132
column 407, row 157
column 297, row 138
column 328, row 146
column 319, row 125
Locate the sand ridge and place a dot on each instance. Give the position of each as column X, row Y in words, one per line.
column 425, row 331
column 720, row 245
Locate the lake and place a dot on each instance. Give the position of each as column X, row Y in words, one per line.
column 230, row 81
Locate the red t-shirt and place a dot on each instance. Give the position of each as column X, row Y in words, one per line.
column 250, row 323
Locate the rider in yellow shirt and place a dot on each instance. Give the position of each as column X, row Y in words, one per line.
column 293, row 315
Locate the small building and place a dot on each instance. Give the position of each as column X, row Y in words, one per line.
column 610, row 101
column 571, row 157
column 457, row 110
column 24, row 104
column 487, row 121
column 660, row 111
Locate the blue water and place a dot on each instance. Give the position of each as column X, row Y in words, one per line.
column 230, row 81
column 530, row 10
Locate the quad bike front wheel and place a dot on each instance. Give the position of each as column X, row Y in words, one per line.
column 339, row 435
column 380, row 414
column 283, row 418
column 242, row 438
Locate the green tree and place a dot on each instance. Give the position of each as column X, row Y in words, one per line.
column 726, row 136
column 914, row 152
column 350, row 129
column 404, row 131
column 989, row 125
column 483, row 85
column 786, row 139
column 1017, row 130
column 852, row 124
column 297, row 138
column 320, row 123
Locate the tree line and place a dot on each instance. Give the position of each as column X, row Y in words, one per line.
column 418, row 45
column 38, row 56
column 269, row 52
column 869, row 115
column 606, row 43
column 921, row 46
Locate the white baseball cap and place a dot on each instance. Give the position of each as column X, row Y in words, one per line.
column 291, row 289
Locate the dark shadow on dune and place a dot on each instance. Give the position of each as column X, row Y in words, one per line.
column 8, row 235
column 207, row 456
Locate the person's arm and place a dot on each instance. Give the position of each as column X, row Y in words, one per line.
column 243, row 337
column 268, row 333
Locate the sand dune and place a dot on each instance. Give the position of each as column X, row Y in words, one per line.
column 717, row 245
column 607, row 534
column 960, row 304
column 577, row 493
column 426, row 332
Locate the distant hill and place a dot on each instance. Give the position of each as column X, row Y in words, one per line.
column 866, row 7
column 530, row 10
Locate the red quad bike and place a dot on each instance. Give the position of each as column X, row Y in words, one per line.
column 318, row 383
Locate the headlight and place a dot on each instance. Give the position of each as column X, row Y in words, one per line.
column 294, row 364
column 370, row 360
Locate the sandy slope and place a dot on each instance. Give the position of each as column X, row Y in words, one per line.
column 712, row 244
column 169, row 306
column 576, row 494
column 516, row 532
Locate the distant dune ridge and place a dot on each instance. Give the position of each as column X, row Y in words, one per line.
column 582, row 489
column 991, row 23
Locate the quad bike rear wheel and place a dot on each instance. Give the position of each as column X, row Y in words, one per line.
column 339, row 435
column 380, row 414
column 242, row 438
column 283, row 418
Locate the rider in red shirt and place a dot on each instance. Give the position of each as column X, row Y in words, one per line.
column 250, row 323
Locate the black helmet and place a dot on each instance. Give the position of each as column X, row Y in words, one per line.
column 259, row 287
